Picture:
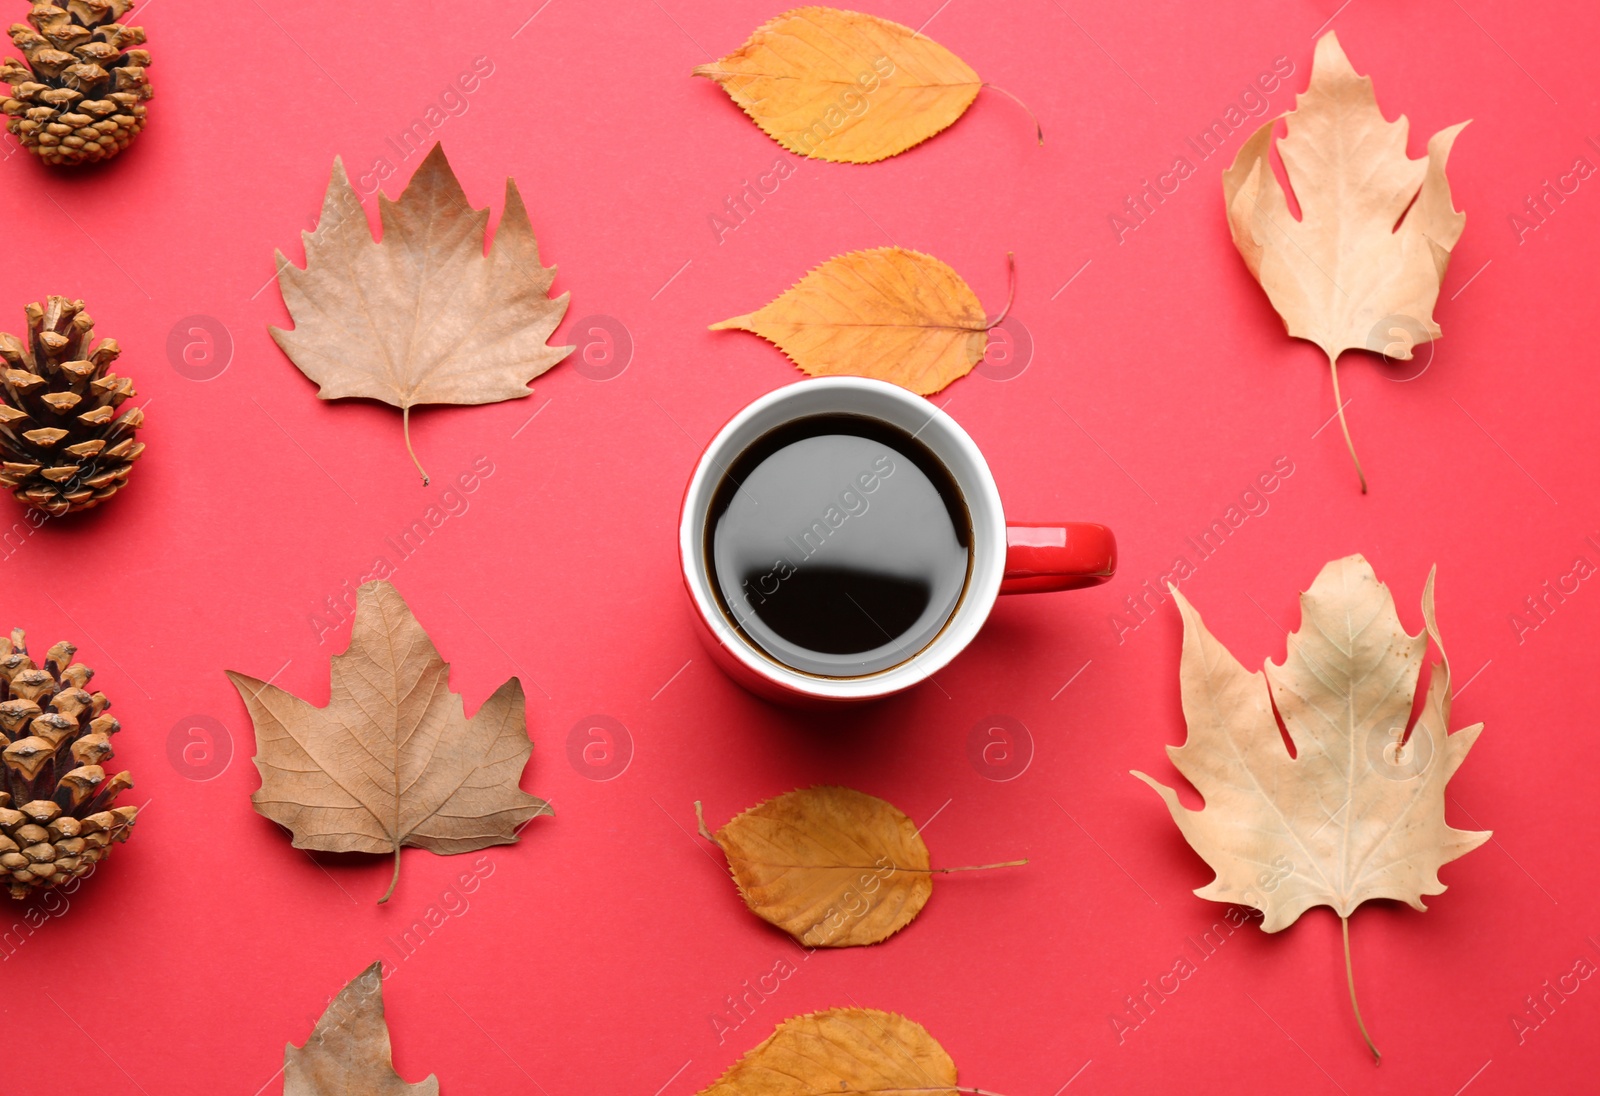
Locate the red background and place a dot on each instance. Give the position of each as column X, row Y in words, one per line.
column 1160, row 386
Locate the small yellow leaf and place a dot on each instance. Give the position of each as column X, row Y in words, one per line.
column 844, row 86
column 889, row 313
column 842, row 1050
column 832, row 867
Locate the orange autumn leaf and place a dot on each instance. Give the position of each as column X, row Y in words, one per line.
column 844, row 86
column 843, row 1050
column 888, row 313
column 831, row 866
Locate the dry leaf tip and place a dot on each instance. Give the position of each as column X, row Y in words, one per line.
column 349, row 1051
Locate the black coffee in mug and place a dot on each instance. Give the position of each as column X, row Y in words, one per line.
column 838, row 544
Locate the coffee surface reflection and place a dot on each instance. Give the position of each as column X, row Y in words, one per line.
column 838, row 545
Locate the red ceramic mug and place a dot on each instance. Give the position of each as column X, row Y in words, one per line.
column 1005, row 558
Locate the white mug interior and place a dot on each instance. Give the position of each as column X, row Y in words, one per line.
column 942, row 437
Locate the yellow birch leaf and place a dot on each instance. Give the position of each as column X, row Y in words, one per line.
column 1362, row 266
column 889, row 313
column 844, row 86
column 843, row 1050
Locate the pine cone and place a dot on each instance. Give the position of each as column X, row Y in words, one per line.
column 56, row 813
column 81, row 97
column 60, row 448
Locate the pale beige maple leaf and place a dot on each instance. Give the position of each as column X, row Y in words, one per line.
column 1357, row 812
column 1360, row 268
column 421, row 316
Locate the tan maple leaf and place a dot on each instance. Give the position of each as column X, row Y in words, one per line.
column 348, row 1051
column 831, row 866
column 393, row 759
column 843, row 1050
column 845, row 86
column 1357, row 812
column 1360, row 268
column 422, row 316
column 888, row 313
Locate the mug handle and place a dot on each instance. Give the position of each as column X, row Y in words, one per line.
column 1057, row 556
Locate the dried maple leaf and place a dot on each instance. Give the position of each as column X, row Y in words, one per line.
column 889, row 313
column 1358, row 811
column 348, row 1052
column 844, row 86
column 392, row 760
column 1362, row 266
column 842, row 1050
column 832, row 867
column 422, row 316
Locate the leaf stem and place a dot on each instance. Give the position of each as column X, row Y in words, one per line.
column 1037, row 128
column 1333, row 367
column 700, row 820
column 394, row 880
column 1350, row 977
column 984, row 867
column 1011, row 292
column 405, row 425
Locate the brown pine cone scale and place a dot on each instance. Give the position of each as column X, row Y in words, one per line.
column 80, row 97
column 62, row 445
